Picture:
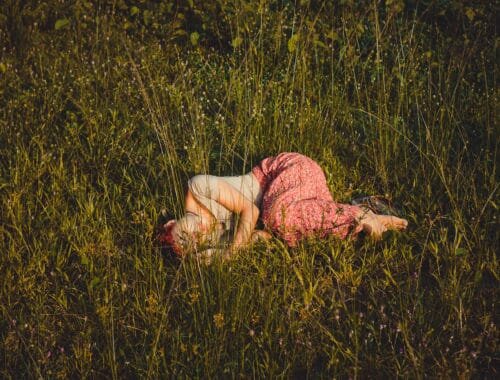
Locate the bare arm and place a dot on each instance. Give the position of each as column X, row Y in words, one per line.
column 193, row 205
column 235, row 202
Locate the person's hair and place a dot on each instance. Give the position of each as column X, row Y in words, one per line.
column 167, row 239
column 164, row 236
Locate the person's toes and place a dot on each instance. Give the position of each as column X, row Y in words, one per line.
column 401, row 223
column 392, row 222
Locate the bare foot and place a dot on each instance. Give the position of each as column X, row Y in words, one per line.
column 375, row 225
column 393, row 222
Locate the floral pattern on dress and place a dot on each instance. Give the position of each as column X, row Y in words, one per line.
column 297, row 203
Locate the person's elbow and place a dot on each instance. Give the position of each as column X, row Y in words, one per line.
column 254, row 213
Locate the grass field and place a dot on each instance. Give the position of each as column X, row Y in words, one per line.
column 106, row 109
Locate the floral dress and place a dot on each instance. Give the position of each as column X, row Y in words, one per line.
column 296, row 201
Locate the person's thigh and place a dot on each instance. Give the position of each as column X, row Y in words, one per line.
column 311, row 217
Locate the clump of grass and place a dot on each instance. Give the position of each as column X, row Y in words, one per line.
column 100, row 129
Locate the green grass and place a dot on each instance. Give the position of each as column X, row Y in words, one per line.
column 100, row 128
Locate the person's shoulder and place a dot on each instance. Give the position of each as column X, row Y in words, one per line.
column 201, row 183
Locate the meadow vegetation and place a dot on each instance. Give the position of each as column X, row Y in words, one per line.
column 107, row 108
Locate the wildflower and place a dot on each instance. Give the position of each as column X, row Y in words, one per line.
column 195, row 348
column 194, row 296
column 255, row 318
column 151, row 303
column 219, row 320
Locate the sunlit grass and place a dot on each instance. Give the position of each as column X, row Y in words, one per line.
column 100, row 132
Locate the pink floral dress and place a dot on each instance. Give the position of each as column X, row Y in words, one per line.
column 297, row 203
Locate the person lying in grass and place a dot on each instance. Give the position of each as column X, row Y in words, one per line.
column 290, row 195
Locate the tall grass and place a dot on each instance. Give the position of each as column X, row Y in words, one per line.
column 100, row 129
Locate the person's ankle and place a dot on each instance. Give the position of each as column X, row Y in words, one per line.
column 363, row 213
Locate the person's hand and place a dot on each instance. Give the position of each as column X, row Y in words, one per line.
column 260, row 235
column 207, row 256
column 257, row 235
